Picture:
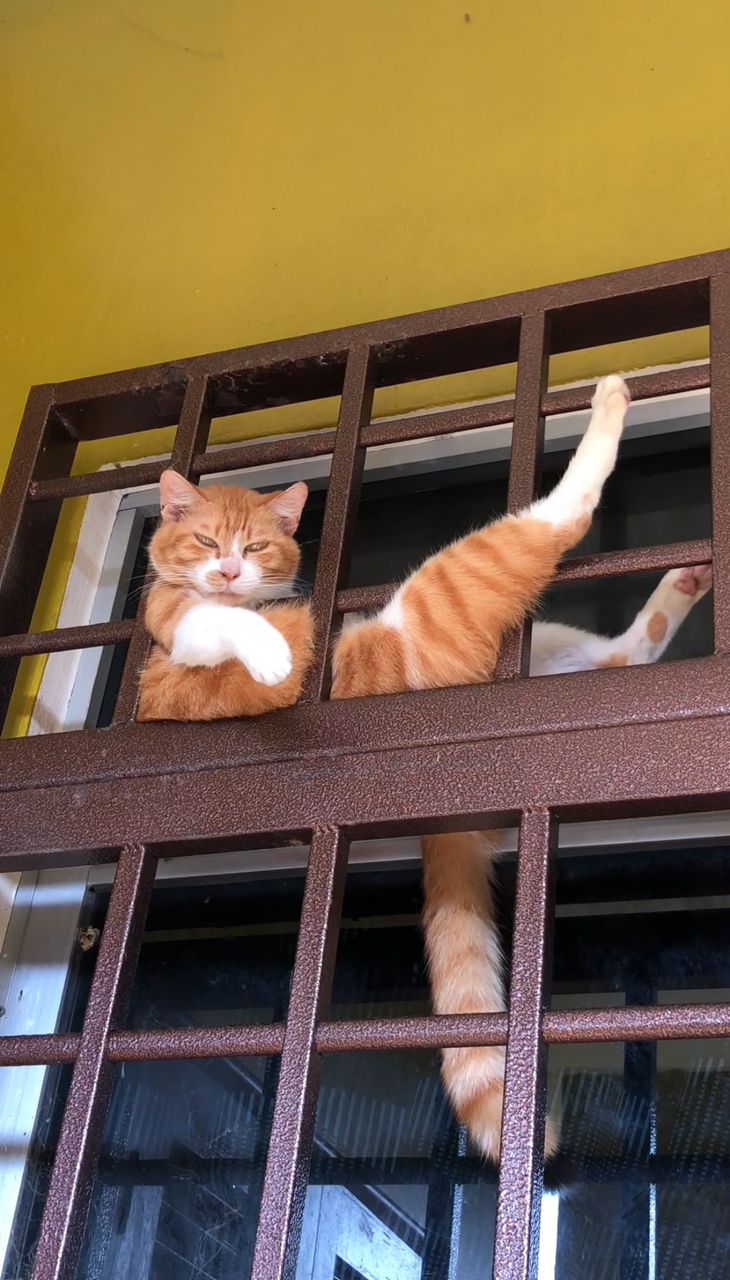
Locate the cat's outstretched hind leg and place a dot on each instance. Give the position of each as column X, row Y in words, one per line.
column 661, row 617
column 570, row 505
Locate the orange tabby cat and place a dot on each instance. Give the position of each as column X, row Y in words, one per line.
column 220, row 552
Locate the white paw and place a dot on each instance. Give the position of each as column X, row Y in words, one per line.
column 199, row 641
column 266, row 656
column 606, row 388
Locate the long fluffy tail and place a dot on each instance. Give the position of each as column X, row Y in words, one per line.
column 465, row 965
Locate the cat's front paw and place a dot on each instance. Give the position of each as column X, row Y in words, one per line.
column 267, row 657
column 607, row 388
column 199, row 639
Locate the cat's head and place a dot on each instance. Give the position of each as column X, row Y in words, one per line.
column 227, row 541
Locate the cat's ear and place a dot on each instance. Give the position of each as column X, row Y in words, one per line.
column 177, row 495
column 288, row 504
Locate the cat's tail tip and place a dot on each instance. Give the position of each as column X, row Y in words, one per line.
column 482, row 1116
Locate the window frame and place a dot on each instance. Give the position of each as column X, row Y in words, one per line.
column 655, row 734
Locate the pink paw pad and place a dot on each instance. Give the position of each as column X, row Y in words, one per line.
column 691, row 581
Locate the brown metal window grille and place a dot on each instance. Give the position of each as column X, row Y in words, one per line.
column 605, row 744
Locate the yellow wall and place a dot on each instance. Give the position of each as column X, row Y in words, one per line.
column 179, row 176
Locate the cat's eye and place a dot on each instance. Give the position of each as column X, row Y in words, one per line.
column 206, row 542
column 257, row 546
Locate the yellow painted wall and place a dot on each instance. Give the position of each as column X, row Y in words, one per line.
column 179, row 176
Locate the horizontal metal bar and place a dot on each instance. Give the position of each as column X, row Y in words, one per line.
column 394, row 430
column 237, row 457
column 639, row 289
column 611, row 564
column 669, row 766
column 65, row 638
column 131, row 476
column 606, row 564
column 333, row 734
column 619, row 564
column 384, row 1035
column 381, row 1035
column 642, row 1022
column 197, row 1042
column 33, row 1051
column 647, row 386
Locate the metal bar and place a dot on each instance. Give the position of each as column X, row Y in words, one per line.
column 646, row 386
column 190, row 439
column 282, row 1204
column 523, row 1123
column 67, row 1200
column 383, row 1035
column 665, row 766
column 328, row 735
column 340, row 511
column 132, row 476
column 665, row 296
column 26, row 533
column 313, row 444
column 528, row 436
column 33, row 1051
column 607, row 564
column 316, row 444
column 196, row 1042
column 720, row 447
column 65, row 638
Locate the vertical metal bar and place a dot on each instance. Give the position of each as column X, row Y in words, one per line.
column 43, row 449
column 282, row 1204
column 67, row 1201
column 190, row 440
column 528, row 433
column 520, row 1178
column 720, row 446
column 340, row 510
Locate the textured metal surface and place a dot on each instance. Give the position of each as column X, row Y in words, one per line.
column 310, row 735
column 528, row 435
column 26, row 531
column 65, row 638
column 315, row 444
column 196, row 1042
column 282, row 1207
column 190, row 439
column 523, row 1122
column 608, row 743
column 720, row 445
column 584, row 774
column 31, row 1051
column 382, row 1035
column 343, row 495
column 64, row 1215
column 127, row 477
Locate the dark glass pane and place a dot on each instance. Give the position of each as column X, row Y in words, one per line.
column 179, row 1184
column 217, row 953
column 644, row 1182
column 636, row 925
column 393, row 1192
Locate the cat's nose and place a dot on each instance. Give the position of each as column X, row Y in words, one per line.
column 230, row 568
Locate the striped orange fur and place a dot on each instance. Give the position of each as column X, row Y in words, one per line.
column 444, row 626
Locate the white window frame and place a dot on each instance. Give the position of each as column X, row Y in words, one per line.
column 97, row 582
